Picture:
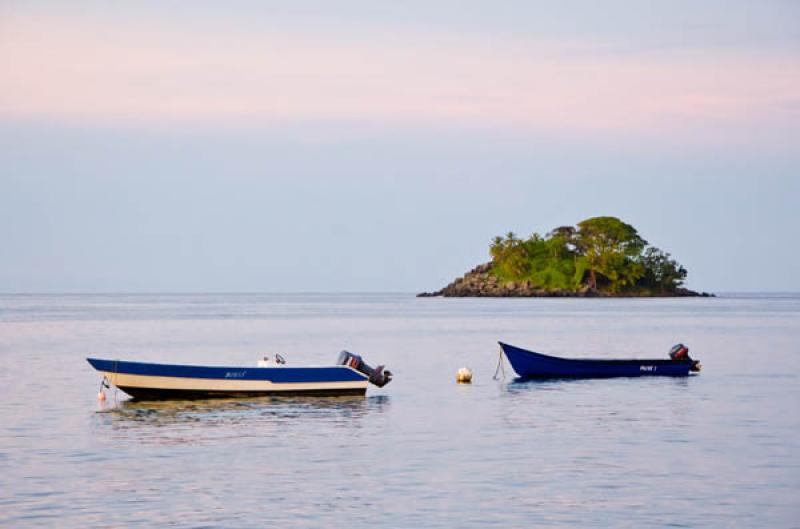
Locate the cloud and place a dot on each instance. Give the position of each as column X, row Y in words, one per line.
column 66, row 68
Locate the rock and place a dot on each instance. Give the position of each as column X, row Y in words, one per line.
column 481, row 282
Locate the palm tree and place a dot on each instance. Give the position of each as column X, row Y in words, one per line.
column 497, row 249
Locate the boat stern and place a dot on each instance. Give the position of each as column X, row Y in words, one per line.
column 377, row 375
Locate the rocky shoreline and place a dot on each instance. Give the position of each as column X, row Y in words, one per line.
column 480, row 282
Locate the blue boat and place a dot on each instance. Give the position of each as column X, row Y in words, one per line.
column 529, row 364
column 149, row 381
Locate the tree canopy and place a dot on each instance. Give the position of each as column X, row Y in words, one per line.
column 601, row 253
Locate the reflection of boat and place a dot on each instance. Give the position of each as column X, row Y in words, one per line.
column 148, row 381
column 529, row 364
column 177, row 422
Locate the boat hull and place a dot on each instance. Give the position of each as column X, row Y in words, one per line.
column 138, row 393
column 529, row 364
column 147, row 381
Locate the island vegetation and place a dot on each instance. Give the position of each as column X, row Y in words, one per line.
column 600, row 256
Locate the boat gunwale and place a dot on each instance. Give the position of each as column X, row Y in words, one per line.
column 192, row 366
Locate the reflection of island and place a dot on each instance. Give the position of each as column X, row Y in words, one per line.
column 601, row 257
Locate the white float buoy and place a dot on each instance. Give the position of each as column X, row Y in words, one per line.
column 464, row 375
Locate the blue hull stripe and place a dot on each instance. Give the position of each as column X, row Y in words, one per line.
column 529, row 364
column 278, row 375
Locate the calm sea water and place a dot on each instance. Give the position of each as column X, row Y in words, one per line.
column 721, row 449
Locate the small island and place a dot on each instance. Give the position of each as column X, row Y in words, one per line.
column 600, row 257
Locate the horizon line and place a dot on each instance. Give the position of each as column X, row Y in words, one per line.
column 350, row 292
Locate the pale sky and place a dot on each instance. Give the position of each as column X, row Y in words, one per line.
column 269, row 146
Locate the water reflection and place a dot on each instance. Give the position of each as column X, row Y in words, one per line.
column 574, row 404
column 193, row 421
column 523, row 384
column 520, row 384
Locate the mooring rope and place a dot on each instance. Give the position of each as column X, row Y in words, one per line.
column 116, row 376
column 500, row 366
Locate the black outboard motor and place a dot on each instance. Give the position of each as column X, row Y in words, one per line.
column 377, row 375
column 680, row 353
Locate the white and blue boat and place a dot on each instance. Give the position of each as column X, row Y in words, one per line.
column 150, row 381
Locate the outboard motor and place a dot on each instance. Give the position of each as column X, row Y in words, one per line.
column 377, row 375
column 680, row 353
